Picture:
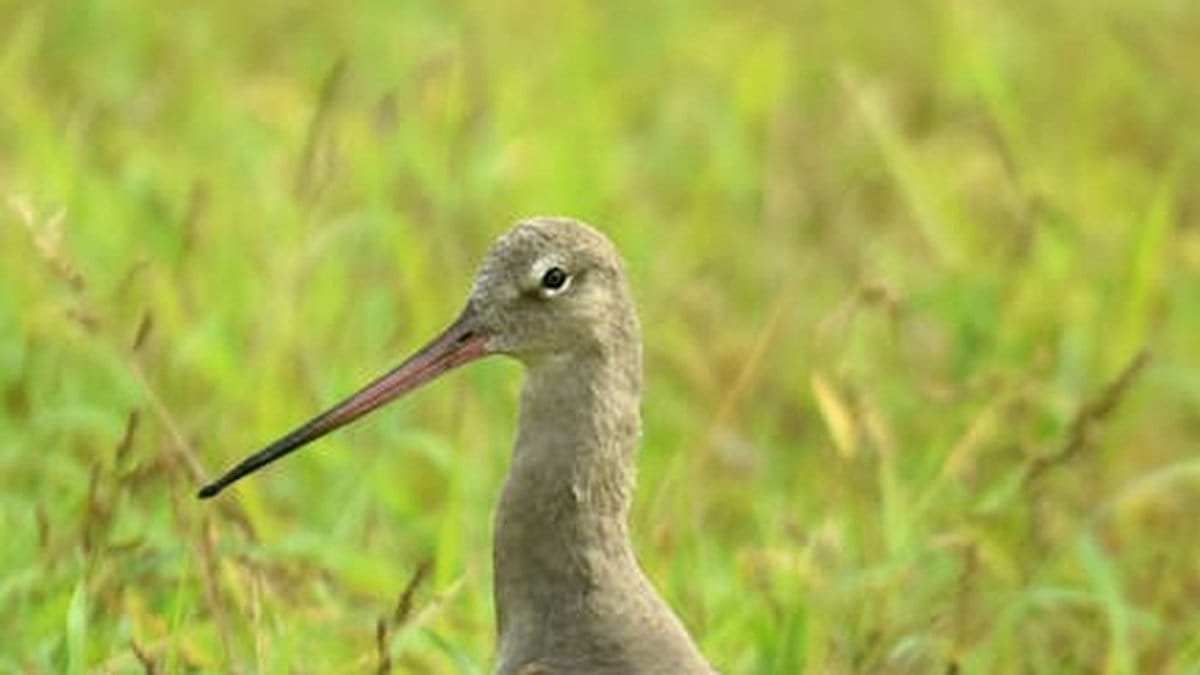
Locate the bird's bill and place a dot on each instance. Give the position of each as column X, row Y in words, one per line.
column 460, row 343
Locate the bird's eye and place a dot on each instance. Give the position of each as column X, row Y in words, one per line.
column 554, row 279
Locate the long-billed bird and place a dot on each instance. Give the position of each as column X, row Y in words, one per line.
column 570, row 595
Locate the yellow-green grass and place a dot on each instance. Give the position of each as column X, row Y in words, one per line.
column 899, row 266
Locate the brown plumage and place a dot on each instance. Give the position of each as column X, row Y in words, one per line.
column 570, row 595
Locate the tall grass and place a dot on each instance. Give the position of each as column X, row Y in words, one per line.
column 920, row 284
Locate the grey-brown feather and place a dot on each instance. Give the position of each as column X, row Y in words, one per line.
column 570, row 594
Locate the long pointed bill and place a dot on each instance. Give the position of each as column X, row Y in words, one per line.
column 458, row 344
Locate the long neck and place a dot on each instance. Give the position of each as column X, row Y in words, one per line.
column 561, row 522
column 570, row 596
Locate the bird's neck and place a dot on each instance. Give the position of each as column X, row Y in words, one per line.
column 561, row 534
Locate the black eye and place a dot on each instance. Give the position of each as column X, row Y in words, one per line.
column 554, row 278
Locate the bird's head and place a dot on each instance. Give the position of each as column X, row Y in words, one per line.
column 550, row 287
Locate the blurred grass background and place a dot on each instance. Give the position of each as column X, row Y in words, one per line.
column 899, row 267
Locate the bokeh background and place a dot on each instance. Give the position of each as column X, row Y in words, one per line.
column 920, row 285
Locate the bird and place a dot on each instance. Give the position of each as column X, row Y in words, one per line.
column 570, row 594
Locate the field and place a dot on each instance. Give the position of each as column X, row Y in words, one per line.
column 919, row 284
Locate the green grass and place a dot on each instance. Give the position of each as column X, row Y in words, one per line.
column 895, row 263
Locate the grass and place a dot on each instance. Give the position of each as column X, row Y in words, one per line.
column 920, row 285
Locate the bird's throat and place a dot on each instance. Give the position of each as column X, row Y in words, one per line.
column 561, row 539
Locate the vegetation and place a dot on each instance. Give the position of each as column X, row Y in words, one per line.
column 920, row 284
